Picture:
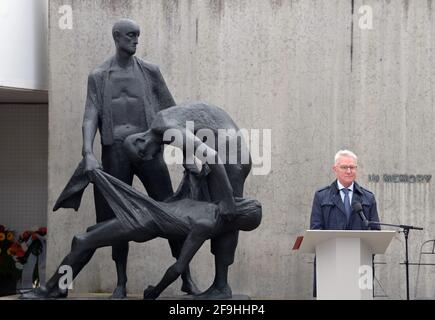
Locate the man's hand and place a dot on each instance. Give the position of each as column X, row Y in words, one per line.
column 91, row 163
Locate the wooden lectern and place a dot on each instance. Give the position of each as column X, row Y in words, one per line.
column 342, row 259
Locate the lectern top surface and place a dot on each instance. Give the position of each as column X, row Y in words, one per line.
column 378, row 241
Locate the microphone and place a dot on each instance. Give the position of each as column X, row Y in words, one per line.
column 357, row 207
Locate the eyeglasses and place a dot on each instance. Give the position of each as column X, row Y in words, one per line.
column 345, row 168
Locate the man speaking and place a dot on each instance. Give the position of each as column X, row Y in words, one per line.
column 343, row 205
column 338, row 206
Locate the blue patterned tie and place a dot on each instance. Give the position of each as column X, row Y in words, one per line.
column 347, row 202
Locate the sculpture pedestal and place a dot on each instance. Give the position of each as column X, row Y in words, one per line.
column 105, row 296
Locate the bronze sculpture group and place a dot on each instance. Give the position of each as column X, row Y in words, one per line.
column 129, row 103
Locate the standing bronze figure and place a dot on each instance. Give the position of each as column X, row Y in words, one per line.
column 124, row 95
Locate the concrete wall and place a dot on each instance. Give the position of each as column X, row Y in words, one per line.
column 304, row 69
column 23, row 33
column 23, row 166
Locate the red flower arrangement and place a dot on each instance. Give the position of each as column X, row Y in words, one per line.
column 35, row 246
column 10, row 254
column 13, row 254
column 34, row 234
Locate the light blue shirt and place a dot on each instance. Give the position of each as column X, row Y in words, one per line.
column 341, row 187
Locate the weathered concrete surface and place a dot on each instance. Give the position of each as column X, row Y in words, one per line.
column 393, row 99
column 301, row 68
column 23, row 166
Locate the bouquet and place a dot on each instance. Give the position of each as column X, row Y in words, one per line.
column 12, row 254
column 15, row 253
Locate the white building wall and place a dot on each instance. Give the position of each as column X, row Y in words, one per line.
column 23, row 44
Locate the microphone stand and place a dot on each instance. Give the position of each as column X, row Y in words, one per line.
column 406, row 229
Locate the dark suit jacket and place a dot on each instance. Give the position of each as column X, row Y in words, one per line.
column 328, row 209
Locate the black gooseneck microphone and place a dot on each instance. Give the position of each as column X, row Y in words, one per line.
column 357, row 207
